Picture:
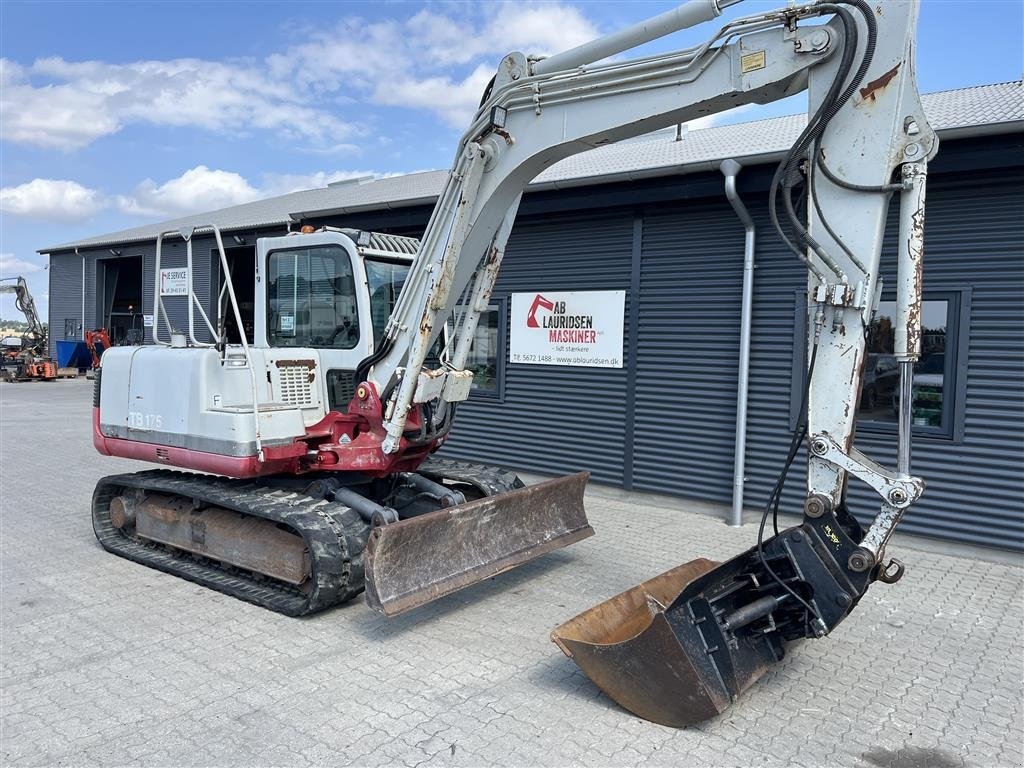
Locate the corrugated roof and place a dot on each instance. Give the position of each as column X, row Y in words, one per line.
column 999, row 107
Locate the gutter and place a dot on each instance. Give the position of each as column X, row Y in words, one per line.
column 660, row 171
column 385, row 205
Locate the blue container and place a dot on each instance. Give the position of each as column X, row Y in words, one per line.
column 73, row 354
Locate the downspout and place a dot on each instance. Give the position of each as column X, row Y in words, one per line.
column 731, row 168
column 81, row 328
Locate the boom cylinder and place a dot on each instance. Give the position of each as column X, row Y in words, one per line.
column 910, row 268
column 686, row 15
column 910, row 271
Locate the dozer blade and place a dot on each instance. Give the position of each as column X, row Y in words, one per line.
column 415, row 561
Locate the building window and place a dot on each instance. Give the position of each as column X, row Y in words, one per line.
column 933, row 372
column 486, row 357
column 939, row 374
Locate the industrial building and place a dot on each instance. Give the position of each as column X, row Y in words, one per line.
column 650, row 219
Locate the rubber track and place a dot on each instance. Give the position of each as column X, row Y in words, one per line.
column 332, row 532
column 490, row 480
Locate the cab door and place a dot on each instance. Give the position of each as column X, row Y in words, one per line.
column 313, row 311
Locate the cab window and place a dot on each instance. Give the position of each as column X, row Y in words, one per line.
column 311, row 298
column 384, row 279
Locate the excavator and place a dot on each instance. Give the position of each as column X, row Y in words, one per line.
column 30, row 361
column 310, row 450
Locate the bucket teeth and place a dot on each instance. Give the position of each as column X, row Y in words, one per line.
column 418, row 560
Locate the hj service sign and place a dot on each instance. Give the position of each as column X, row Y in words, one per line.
column 174, row 282
column 581, row 328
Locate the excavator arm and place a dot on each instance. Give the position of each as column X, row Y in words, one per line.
column 866, row 139
column 712, row 630
column 34, row 340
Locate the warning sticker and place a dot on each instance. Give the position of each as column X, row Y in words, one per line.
column 752, row 61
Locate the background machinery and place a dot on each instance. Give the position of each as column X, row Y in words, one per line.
column 328, row 419
column 30, row 360
column 97, row 342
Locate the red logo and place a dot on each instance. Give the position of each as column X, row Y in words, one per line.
column 539, row 302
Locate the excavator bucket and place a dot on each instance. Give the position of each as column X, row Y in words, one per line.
column 666, row 649
column 415, row 561
column 627, row 647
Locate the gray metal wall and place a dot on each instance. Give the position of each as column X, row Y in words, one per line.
column 690, row 290
column 66, row 297
column 570, row 418
column 66, row 283
column 682, row 392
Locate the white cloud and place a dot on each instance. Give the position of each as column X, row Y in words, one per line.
column 282, row 183
column 421, row 63
column 12, row 266
column 454, row 102
column 52, row 199
column 313, row 93
column 198, row 189
column 65, row 105
column 533, row 28
column 719, row 118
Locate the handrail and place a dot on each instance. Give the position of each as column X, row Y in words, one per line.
column 218, row 335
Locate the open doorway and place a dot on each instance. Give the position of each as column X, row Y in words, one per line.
column 120, row 293
column 242, row 264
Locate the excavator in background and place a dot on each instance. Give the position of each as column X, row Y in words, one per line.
column 319, row 434
column 97, row 342
column 29, row 362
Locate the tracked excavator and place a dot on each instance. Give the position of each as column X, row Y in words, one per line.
column 30, row 362
column 317, row 436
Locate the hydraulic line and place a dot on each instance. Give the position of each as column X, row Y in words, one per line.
column 787, row 173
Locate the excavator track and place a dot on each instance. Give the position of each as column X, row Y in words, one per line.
column 334, row 536
column 490, row 481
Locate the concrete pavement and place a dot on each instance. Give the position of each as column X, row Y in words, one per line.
column 103, row 661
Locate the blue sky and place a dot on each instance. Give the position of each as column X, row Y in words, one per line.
column 115, row 114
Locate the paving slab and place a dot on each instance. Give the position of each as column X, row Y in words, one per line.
column 105, row 662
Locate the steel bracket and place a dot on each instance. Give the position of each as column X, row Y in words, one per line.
column 897, row 490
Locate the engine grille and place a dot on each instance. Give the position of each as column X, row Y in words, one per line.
column 295, row 384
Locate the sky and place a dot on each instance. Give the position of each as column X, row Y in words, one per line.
column 114, row 114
